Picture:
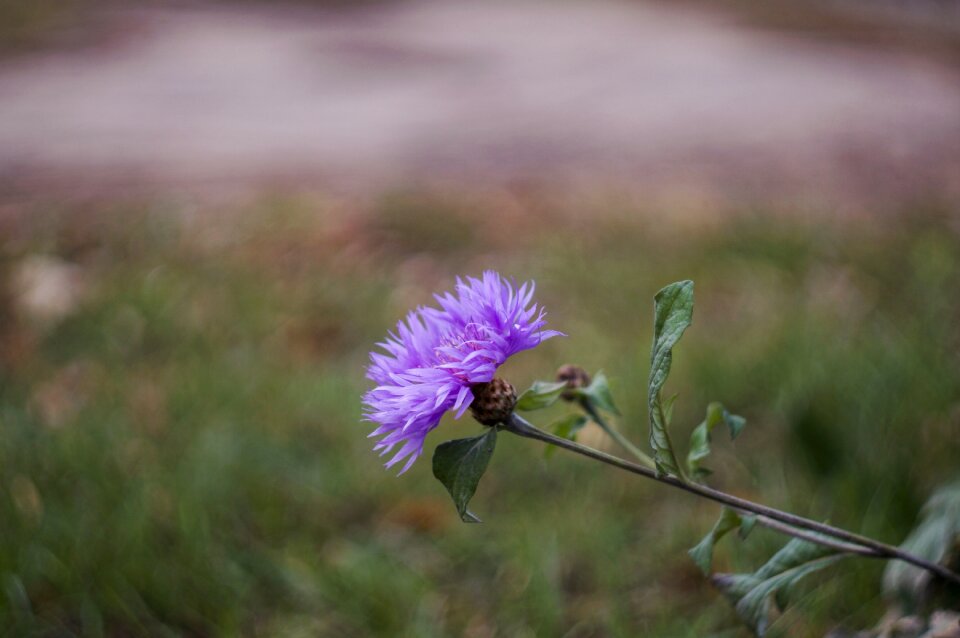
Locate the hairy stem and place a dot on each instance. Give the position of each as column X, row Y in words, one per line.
column 613, row 433
column 840, row 546
column 519, row 426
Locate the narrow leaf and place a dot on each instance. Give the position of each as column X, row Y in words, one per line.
column 700, row 437
column 542, row 394
column 673, row 313
column 459, row 465
column 751, row 594
column 747, row 523
column 598, row 392
column 755, row 606
column 702, row 553
column 935, row 538
column 735, row 424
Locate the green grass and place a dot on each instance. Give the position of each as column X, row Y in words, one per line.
column 183, row 454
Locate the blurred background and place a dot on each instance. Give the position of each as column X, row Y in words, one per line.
column 211, row 211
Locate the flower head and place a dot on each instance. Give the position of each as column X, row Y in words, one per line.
column 434, row 358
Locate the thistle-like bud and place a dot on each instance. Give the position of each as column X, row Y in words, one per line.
column 575, row 377
column 493, row 402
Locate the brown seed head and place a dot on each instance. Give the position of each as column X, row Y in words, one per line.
column 493, row 402
column 575, row 377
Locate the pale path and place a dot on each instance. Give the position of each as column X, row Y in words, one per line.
column 476, row 92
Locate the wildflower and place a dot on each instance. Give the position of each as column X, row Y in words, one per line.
column 493, row 402
column 435, row 358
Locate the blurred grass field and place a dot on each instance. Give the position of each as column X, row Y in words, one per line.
column 182, row 451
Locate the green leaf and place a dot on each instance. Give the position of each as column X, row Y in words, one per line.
column 542, row 394
column 567, row 429
column 700, row 437
column 598, row 392
column 668, row 409
column 751, row 594
column 935, row 538
column 702, row 553
column 459, row 465
column 673, row 313
column 735, row 424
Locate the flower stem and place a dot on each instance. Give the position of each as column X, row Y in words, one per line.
column 840, row 546
column 615, row 434
column 785, row 522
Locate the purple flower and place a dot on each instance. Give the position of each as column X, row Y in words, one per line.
column 434, row 358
